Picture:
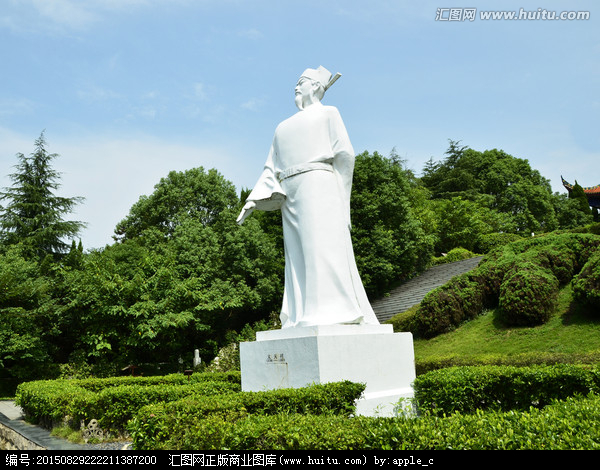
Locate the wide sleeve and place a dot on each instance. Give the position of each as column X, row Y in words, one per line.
column 343, row 157
column 267, row 193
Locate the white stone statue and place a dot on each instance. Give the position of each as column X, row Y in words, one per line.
column 308, row 176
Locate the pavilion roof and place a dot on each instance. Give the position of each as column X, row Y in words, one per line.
column 592, row 192
column 586, row 189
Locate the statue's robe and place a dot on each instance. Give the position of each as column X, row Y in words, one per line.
column 308, row 176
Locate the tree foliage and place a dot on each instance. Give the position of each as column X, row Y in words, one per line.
column 27, row 309
column 192, row 194
column 578, row 195
column 182, row 275
column 34, row 215
column 498, row 193
column 390, row 241
column 497, row 180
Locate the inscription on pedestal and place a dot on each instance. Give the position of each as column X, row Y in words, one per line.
column 276, row 359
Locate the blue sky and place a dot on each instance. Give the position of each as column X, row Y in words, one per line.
column 128, row 90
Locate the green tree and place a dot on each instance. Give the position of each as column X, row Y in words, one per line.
column 192, row 193
column 498, row 181
column 26, row 316
column 462, row 224
column 570, row 212
column 389, row 239
column 578, row 195
column 181, row 276
column 34, row 215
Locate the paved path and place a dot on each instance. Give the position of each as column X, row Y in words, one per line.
column 412, row 292
column 27, row 436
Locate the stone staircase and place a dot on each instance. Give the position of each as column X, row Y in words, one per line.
column 412, row 292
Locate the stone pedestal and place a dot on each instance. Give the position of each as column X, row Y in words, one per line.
column 297, row 357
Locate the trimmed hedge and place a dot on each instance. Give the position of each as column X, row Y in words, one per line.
column 202, row 422
column 94, row 384
column 522, row 278
column 490, row 407
column 461, row 408
column 564, row 425
column 517, row 360
column 111, row 401
column 115, row 406
column 467, row 389
column 47, row 402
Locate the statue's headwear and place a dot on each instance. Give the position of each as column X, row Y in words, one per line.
column 321, row 75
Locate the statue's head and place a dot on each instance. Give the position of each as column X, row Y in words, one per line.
column 312, row 85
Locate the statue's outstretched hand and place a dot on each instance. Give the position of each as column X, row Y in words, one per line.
column 246, row 211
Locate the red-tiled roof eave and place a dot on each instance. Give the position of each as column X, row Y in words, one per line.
column 587, row 189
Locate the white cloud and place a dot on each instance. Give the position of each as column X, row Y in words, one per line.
column 251, row 34
column 16, row 106
column 252, row 104
column 97, row 94
column 69, row 13
column 199, row 91
column 63, row 16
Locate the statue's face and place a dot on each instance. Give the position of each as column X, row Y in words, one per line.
column 304, row 92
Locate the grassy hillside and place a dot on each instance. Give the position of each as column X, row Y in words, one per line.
column 570, row 331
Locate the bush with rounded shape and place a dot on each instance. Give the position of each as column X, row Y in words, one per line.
column 489, row 241
column 527, row 295
column 447, row 306
column 586, row 285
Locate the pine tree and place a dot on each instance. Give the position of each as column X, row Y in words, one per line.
column 578, row 194
column 34, row 215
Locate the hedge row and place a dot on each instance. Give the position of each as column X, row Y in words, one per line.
column 204, row 421
column 518, row 360
column 564, row 425
column 502, row 388
column 522, row 278
column 97, row 384
column 487, row 404
column 72, row 401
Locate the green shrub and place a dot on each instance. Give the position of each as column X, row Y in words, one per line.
column 298, row 432
column 518, row 360
column 447, row 306
column 98, row 384
column 456, row 254
column 467, row 389
column 49, row 402
column 404, row 321
column 491, row 241
column 527, row 295
column 586, row 285
column 113, row 407
column 112, row 401
column 203, row 421
column 563, row 425
column 521, row 277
